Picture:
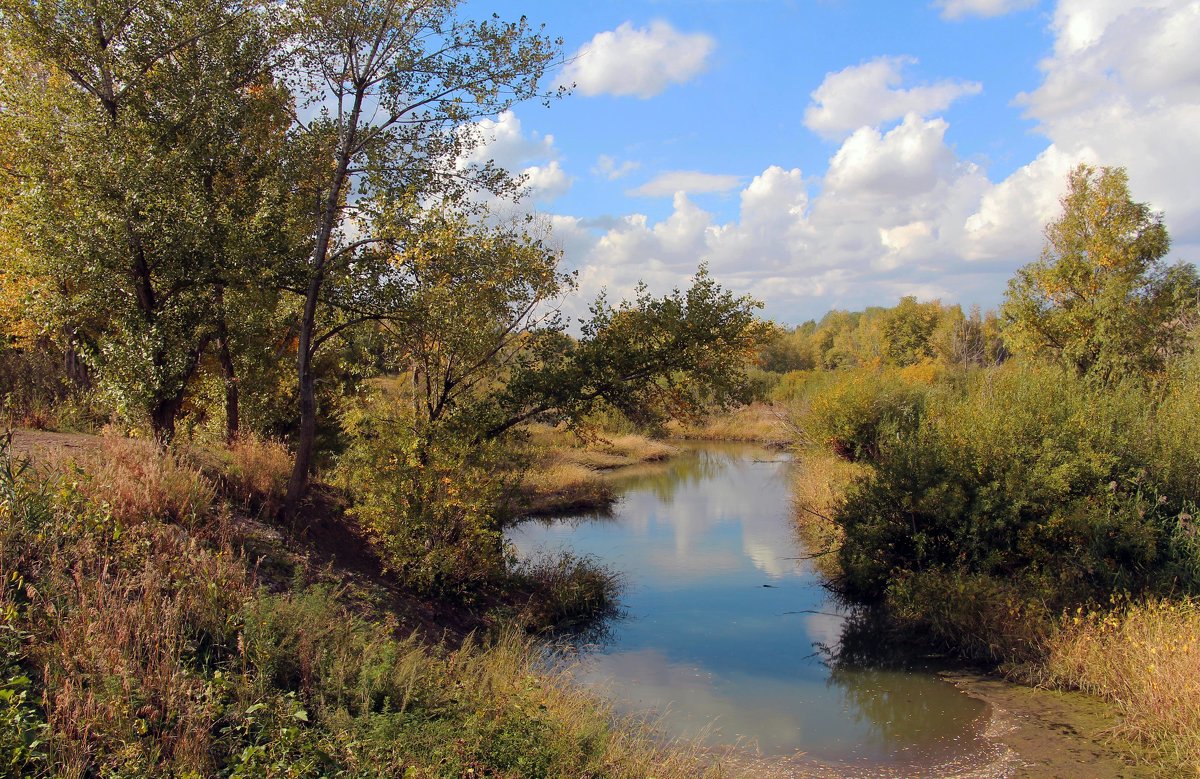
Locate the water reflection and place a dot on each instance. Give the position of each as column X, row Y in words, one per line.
column 727, row 624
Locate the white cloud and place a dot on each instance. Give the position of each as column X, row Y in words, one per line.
column 612, row 169
column 504, row 142
column 640, row 61
column 899, row 212
column 690, row 181
column 909, row 160
column 958, row 9
column 870, row 94
column 1122, row 87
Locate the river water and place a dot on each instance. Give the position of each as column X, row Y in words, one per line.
column 728, row 634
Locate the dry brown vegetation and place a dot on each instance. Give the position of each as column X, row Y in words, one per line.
column 136, row 642
column 1145, row 659
column 569, row 472
column 762, row 423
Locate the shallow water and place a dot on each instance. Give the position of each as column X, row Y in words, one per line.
column 728, row 631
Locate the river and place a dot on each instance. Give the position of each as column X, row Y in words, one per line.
column 728, row 634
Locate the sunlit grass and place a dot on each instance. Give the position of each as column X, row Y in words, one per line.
column 755, row 423
column 1145, row 659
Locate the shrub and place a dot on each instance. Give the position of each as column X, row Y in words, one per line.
column 1028, row 476
column 565, row 591
column 428, row 497
column 853, row 411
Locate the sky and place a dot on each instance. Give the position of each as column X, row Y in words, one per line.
column 822, row 154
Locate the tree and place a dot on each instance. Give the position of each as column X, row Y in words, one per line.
column 908, row 331
column 395, row 86
column 1100, row 299
column 142, row 133
column 650, row 358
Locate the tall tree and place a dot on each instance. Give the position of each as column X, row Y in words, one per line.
column 1100, row 298
column 393, row 87
column 142, row 140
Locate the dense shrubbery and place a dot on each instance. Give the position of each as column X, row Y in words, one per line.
column 1029, row 485
column 429, row 498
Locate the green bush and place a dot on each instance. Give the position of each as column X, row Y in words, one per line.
column 852, row 412
column 1028, row 477
column 428, row 495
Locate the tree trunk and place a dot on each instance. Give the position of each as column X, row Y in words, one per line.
column 162, row 418
column 306, row 436
column 228, row 371
column 307, row 387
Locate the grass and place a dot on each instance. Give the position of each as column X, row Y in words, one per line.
column 756, row 423
column 569, row 472
column 135, row 481
column 136, row 641
column 819, row 482
column 1144, row 658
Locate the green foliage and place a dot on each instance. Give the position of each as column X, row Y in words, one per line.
column 428, row 494
column 1100, row 299
column 908, row 331
column 855, row 412
column 22, row 724
column 651, row 359
column 1031, row 476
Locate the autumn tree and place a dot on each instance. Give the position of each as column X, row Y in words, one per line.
column 393, row 88
column 143, row 133
column 1100, row 298
column 651, row 358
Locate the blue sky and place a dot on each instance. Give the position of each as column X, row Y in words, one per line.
column 833, row 153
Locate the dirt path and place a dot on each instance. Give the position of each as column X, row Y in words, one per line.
column 31, row 442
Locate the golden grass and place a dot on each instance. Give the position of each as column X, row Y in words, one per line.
column 819, row 482
column 1145, row 659
column 257, row 470
column 571, row 472
column 757, row 423
column 629, row 748
column 136, row 480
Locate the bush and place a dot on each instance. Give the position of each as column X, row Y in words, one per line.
column 1028, row 477
column 428, row 497
column 853, row 411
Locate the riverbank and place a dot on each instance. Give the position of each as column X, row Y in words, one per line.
column 757, row 423
column 1123, row 677
column 162, row 573
column 568, row 473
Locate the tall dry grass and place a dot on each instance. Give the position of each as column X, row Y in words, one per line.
column 256, row 471
column 761, row 423
column 819, row 482
column 567, row 471
column 135, row 480
column 1145, row 659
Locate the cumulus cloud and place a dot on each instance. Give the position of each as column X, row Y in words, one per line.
column 612, row 169
column 899, row 212
column 641, row 61
column 958, row 9
column 1122, row 87
column 691, row 181
column 504, row 142
column 871, row 94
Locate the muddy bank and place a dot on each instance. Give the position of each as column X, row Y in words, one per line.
column 1030, row 734
column 1053, row 734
